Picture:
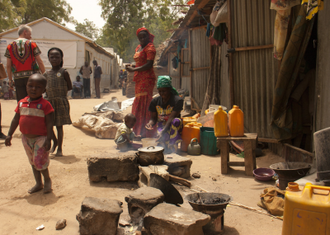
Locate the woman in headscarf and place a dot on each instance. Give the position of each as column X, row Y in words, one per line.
column 144, row 78
column 165, row 112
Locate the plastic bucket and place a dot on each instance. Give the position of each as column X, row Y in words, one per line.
column 208, row 141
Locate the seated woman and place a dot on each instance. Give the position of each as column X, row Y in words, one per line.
column 165, row 112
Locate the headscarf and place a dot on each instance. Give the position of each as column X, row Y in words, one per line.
column 166, row 82
column 151, row 36
column 59, row 50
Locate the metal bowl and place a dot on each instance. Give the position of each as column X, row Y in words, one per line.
column 263, row 174
column 202, row 201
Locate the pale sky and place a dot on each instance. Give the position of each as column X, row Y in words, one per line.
column 82, row 9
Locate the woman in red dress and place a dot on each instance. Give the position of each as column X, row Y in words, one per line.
column 145, row 79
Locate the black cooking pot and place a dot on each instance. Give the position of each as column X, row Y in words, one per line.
column 152, row 155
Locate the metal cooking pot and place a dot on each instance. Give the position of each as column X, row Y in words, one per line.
column 152, row 155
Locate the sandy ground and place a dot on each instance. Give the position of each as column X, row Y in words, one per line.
column 21, row 213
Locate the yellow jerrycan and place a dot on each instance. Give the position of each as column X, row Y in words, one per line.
column 307, row 212
column 220, row 123
column 236, row 121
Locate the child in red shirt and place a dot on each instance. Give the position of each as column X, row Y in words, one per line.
column 35, row 117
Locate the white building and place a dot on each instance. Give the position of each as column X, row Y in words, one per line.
column 77, row 49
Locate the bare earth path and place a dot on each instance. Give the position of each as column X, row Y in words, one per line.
column 21, row 213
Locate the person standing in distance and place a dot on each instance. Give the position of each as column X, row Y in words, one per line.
column 86, row 72
column 97, row 78
column 23, row 60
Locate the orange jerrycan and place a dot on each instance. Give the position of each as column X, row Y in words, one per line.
column 220, row 123
column 189, row 132
column 236, row 121
column 307, row 212
column 187, row 120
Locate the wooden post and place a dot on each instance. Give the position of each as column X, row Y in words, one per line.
column 231, row 78
column 224, row 153
column 249, row 159
column 190, row 67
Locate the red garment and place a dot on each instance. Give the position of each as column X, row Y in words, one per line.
column 151, row 36
column 32, row 116
column 144, row 85
column 22, row 53
column 141, row 58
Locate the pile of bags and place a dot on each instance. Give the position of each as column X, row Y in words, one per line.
column 103, row 124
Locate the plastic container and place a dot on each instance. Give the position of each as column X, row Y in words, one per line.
column 307, row 212
column 236, row 121
column 189, row 132
column 187, row 120
column 208, row 141
column 220, row 123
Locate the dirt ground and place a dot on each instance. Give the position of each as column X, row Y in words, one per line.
column 21, row 213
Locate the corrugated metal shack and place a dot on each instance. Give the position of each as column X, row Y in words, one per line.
column 248, row 79
column 248, row 73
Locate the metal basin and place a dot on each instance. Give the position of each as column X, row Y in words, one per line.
column 290, row 172
column 208, row 203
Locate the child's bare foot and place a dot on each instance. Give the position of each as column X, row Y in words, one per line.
column 35, row 188
column 52, row 150
column 48, row 186
column 59, row 153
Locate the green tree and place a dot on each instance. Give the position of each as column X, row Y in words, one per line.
column 124, row 17
column 8, row 15
column 16, row 12
column 88, row 28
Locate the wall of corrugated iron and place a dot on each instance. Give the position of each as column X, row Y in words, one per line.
column 322, row 97
column 185, row 84
column 255, row 71
column 174, row 73
column 225, row 82
column 201, row 58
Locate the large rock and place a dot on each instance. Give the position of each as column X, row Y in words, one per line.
column 168, row 219
column 121, row 167
column 141, row 201
column 178, row 165
column 99, row 216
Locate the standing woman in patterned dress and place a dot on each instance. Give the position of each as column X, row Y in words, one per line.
column 145, row 79
column 58, row 85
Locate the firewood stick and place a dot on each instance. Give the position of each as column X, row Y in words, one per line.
column 180, row 180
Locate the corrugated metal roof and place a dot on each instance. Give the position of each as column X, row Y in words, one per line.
column 198, row 20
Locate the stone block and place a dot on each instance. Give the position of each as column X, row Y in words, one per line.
column 145, row 171
column 141, row 201
column 178, row 165
column 168, row 219
column 99, row 216
column 121, row 167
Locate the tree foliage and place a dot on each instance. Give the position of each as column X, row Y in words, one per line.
column 16, row 12
column 124, row 17
column 88, row 28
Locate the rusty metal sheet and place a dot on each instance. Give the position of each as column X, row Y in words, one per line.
column 255, row 71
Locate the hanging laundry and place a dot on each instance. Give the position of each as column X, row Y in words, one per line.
column 191, row 2
column 280, row 33
column 283, row 10
column 208, row 30
column 313, row 6
column 279, row 5
column 220, row 32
